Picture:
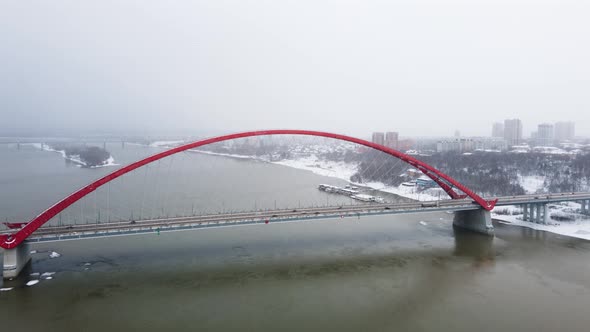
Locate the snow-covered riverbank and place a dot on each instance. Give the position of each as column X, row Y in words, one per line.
column 343, row 171
column 574, row 225
column 579, row 226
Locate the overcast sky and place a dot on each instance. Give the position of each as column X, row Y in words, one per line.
column 420, row 67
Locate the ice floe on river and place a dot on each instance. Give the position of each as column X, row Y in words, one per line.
column 32, row 282
column 54, row 254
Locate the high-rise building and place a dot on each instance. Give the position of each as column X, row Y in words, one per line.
column 513, row 131
column 545, row 134
column 565, row 131
column 391, row 139
column 498, row 129
column 378, row 138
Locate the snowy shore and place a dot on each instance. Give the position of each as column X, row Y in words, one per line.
column 572, row 224
column 343, row 171
column 579, row 227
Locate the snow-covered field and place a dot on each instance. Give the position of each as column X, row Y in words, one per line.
column 531, row 184
column 75, row 159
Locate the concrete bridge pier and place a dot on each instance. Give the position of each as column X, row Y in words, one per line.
column 525, row 212
column 537, row 213
column 15, row 260
column 546, row 215
column 529, row 212
column 585, row 207
column 479, row 221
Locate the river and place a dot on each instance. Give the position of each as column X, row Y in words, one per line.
column 384, row 273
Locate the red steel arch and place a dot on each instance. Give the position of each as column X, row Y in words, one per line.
column 444, row 181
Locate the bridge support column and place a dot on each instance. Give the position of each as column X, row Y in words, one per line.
column 526, row 212
column 15, row 259
column 546, row 214
column 532, row 210
column 479, row 221
column 585, row 207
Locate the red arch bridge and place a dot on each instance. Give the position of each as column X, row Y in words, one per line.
column 471, row 210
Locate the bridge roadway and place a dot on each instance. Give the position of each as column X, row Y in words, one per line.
column 59, row 233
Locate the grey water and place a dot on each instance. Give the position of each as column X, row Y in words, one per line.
column 384, row 273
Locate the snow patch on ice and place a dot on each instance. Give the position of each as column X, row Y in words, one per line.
column 32, row 282
column 47, row 274
column 54, row 254
column 423, row 223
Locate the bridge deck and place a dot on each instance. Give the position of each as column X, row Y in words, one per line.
column 54, row 233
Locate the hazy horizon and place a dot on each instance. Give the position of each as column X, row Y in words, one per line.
column 421, row 68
